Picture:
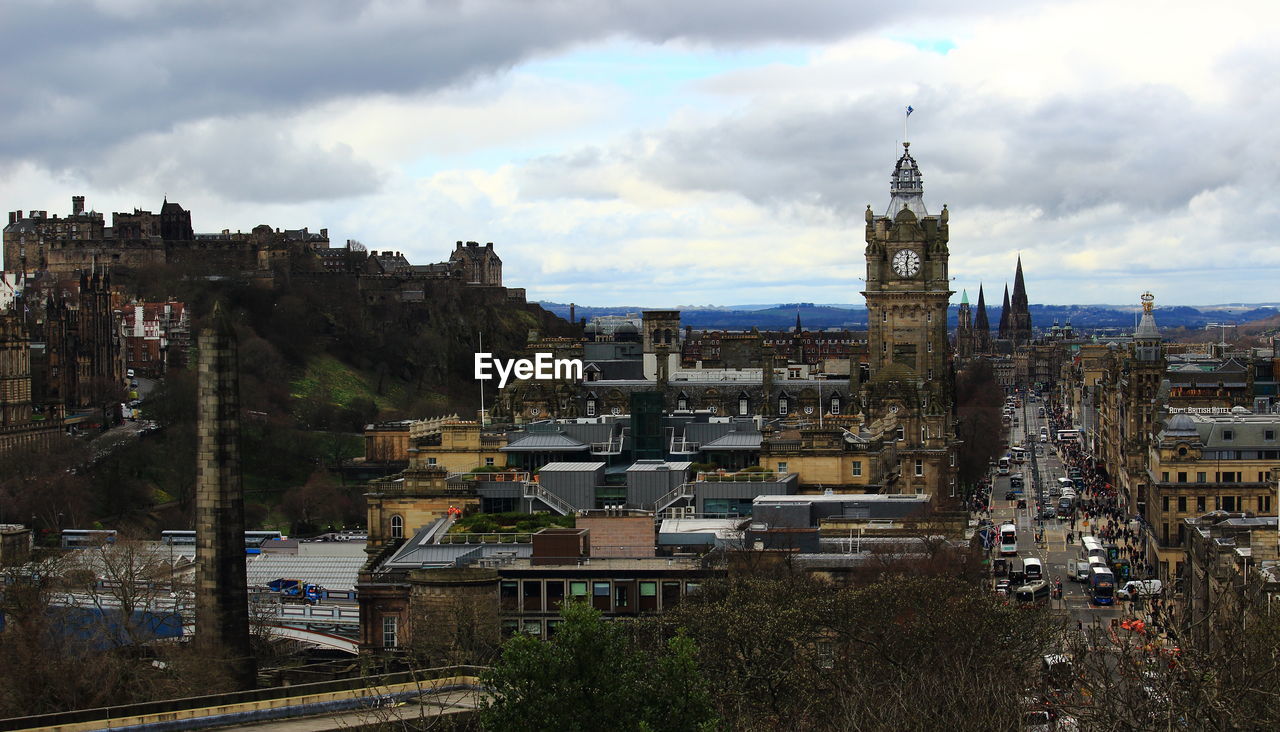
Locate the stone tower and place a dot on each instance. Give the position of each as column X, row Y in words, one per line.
column 222, row 598
column 911, row 386
column 1020, row 310
column 1004, row 316
column 964, row 327
column 981, row 326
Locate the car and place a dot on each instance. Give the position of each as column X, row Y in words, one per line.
column 1048, row 512
column 1022, row 503
column 1010, row 495
column 1002, row 588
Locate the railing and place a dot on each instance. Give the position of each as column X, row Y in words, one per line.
column 612, row 447
column 494, row 477
column 680, row 492
column 681, row 446
column 494, row 538
column 554, row 502
column 754, row 476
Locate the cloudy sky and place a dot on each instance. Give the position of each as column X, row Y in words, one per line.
column 657, row 153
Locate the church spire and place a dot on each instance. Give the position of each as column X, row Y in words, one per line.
column 906, row 186
column 1019, row 289
column 1004, row 315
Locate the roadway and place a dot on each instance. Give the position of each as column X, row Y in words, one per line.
column 1042, row 469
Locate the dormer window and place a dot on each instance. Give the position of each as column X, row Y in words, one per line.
column 782, row 406
column 591, row 407
column 835, row 405
column 682, row 403
column 742, row 406
column 1228, row 435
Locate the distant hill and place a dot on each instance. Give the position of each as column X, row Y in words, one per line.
column 821, row 317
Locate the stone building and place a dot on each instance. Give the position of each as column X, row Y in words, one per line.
column 1200, row 463
column 1230, row 569
column 20, row 424
column 478, row 265
column 157, row 336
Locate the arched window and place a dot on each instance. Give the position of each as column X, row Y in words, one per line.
column 397, row 526
column 835, row 405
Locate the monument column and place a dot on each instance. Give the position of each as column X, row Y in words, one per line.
column 222, row 597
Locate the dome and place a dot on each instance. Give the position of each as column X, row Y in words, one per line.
column 626, row 328
column 1180, row 425
column 591, row 329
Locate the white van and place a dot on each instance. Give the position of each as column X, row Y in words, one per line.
column 1140, row 588
column 1080, row 571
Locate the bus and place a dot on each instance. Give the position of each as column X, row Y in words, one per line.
column 1018, row 455
column 85, row 538
column 1033, row 568
column 252, row 539
column 1091, row 548
column 1068, row 435
column 1002, row 467
column 1008, row 540
column 1102, row 585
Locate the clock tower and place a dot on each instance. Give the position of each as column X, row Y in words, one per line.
column 911, row 386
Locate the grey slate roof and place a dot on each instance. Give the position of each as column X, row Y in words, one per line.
column 330, row 572
column 553, row 442
column 735, row 441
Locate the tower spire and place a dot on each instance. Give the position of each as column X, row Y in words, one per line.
column 906, row 186
column 1004, row 315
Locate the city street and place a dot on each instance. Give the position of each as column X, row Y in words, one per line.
column 1042, row 468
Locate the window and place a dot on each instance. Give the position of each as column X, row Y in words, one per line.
column 621, row 596
column 431, row 461
column 648, row 596
column 857, row 468
column 670, row 594
column 902, row 434
column 510, row 627
column 1182, row 504
column 1228, row 435
column 1264, row 504
column 1164, row 476
column 488, row 462
column 591, row 407
column 742, row 406
column 1164, row 503
column 931, row 374
column 1182, row 477
column 928, row 347
column 555, row 595
column 1228, row 503
column 1164, row 534
column 532, row 596
column 533, row 627
column 835, row 406
column 390, row 631
column 691, row 587
column 397, row 526
column 600, row 596
column 681, row 403
column 782, row 467
column 782, row 406
column 578, row 590
column 1200, row 477
column 919, row 467
column 1200, row 504
column 508, row 595
column 1269, row 435
column 884, row 316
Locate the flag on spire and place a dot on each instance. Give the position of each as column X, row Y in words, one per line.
column 909, row 110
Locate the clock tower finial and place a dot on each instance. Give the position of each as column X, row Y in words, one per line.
column 906, row 186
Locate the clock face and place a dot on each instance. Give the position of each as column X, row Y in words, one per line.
column 906, row 263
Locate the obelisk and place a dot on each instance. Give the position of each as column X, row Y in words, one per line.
column 222, row 597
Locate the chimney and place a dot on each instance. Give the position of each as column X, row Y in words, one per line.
column 459, row 245
column 77, row 205
column 13, row 217
column 571, row 308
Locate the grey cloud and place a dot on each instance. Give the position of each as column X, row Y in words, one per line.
column 82, row 75
column 237, row 160
column 1149, row 149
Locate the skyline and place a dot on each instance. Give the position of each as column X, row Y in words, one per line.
column 659, row 157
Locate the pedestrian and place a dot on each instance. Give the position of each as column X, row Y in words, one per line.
column 1079, row 625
